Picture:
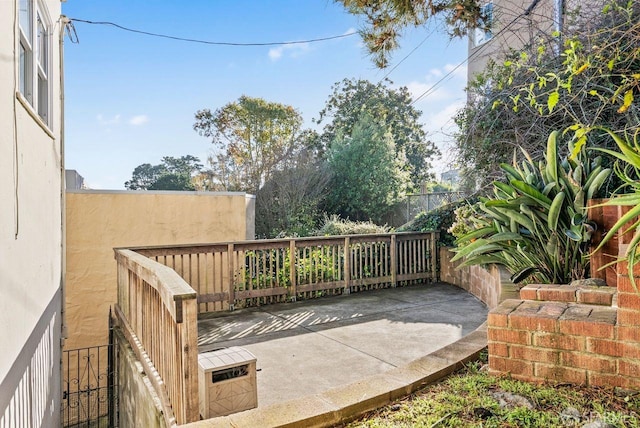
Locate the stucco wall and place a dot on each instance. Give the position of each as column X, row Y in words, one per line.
column 30, row 231
column 98, row 221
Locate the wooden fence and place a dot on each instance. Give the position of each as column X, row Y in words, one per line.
column 251, row 273
column 157, row 312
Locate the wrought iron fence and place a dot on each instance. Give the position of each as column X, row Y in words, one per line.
column 89, row 398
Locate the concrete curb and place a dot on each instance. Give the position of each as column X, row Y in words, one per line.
column 346, row 403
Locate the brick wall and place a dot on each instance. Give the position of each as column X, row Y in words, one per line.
column 559, row 333
column 490, row 285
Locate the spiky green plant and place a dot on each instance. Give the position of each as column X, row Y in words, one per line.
column 627, row 168
column 535, row 224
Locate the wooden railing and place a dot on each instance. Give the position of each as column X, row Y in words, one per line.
column 250, row 273
column 157, row 312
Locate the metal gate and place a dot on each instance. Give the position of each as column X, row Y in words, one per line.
column 90, row 395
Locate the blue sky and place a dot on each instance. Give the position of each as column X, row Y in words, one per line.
column 131, row 98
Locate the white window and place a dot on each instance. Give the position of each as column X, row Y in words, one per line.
column 483, row 34
column 35, row 49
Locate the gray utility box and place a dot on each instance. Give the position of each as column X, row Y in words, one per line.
column 227, row 382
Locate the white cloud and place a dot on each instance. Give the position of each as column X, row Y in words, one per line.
column 106, row 121
column 295, row 50
column 138, row 120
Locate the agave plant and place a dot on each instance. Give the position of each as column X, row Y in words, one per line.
column 628, row 170
column 535, row 224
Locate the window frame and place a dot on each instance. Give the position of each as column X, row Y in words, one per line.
column 35, row 62
column 483, row 35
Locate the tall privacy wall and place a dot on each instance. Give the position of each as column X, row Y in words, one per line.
column 98, row 221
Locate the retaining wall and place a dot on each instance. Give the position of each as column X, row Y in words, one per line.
column 578, row 335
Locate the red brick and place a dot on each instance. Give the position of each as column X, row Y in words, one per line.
column 514, row 367
column 558, row 294
column 628, row 317
column 612, row 348
column 533, row 323
column 589, row 362
column 497, row 320
column 629, row 368
column 626, row 286
column 612, row 380
column 509, row 336
column 529, row 292
column 559, row 341
column 559, row 374
column 629, row 301
column 586, row 328
column 594, row 296
column 498, row 349
column 531, row 353
column 628, row 333
column 623, row 269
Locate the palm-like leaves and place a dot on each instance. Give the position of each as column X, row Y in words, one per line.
column 535, row 224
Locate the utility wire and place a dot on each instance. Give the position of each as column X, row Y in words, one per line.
column 209, row 42
column 408, row 55
column 429, row 91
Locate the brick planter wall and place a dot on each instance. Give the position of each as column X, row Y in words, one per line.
column 491, row 285
column 579, row 335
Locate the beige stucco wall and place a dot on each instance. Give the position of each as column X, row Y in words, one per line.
column 30, row 191
column 98, row 221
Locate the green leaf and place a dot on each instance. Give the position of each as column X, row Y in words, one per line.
column 554, row 211
column 532, row 192
column 597, row 182
column 552, row 156
column 552, row 101
column 523, row 274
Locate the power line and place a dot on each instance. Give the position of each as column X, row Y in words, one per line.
column 429, row 91
column 209, row 42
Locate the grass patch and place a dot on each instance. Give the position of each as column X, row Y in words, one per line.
column 473, row 398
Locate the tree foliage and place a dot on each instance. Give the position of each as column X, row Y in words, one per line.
column 289, row 203
column 386, row 19
column 593, row 81
column 368, row 177
column 171, row 174
column 389, row 108
column 254, row 138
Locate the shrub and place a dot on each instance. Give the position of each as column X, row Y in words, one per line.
column 441, row 218
column 334, row 225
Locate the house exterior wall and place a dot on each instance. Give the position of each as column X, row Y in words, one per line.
column 527, row 29
column 31, row 277
column 98, row 221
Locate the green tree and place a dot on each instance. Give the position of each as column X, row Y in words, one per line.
column 368, row 176
column 389, row 108
column 593, row 81
column 253, row 137
column 171, row 174
column 386, row 20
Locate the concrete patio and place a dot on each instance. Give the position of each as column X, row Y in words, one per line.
column 306, row 348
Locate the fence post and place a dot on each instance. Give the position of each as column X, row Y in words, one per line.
column 434, row 256
column 394, row 261
column 347, row 265
column 231, row 284
column 292, row 270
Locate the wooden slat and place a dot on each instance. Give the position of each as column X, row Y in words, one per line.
column 264, row 292
column 213, row 297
